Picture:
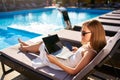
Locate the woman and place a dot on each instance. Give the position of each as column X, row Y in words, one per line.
column 92, row 39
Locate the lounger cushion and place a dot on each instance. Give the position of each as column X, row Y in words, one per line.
column 26, row 60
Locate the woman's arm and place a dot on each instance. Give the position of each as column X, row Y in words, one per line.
column 87, row 57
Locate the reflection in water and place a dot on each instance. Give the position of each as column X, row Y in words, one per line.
column 72, row 15
column 30, row 16
column 44, row 21
column 44, row 17
column 82, row 15
column 18, row 17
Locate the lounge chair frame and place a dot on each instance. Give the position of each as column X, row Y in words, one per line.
column 21, row 69
column 114, row 71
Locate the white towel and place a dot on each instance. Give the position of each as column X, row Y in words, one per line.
column 37, row 62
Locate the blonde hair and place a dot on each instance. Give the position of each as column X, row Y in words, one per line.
column 98, row 40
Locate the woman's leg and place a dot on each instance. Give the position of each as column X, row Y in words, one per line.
column 30, row 48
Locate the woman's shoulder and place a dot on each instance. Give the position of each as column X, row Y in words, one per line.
column 87, row 47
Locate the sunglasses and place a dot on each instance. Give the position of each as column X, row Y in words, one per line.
column 84, row 33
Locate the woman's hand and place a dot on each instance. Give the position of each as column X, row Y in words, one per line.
column 52, row 59
column 74, row 49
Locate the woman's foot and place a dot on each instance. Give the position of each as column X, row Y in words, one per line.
column 23, row 43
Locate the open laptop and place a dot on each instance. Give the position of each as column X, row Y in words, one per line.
column 54, row 46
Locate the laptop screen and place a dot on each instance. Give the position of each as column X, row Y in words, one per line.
column 52, row 43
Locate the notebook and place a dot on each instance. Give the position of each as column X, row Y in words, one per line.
column 54, row 46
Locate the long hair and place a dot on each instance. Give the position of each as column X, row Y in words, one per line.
column 98, row 40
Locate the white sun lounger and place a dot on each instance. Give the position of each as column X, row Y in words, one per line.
column 23, row 63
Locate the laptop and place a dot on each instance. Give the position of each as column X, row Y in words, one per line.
column 54, row 46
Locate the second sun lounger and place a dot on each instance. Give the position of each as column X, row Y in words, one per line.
column 110, row 22
column 110, row 17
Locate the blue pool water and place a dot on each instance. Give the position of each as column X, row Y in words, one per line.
column 9, row 37
column 39, row 21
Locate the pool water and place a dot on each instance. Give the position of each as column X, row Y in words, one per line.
column 29, row 23
column 9, row 37
column 45, row 20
